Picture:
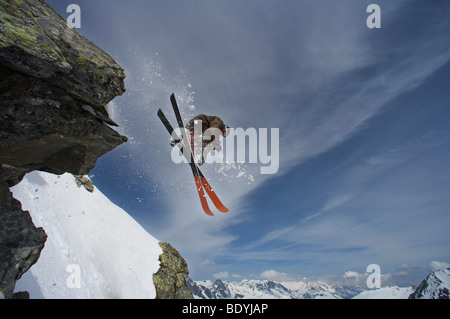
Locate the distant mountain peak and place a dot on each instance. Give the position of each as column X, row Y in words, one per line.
column 435, row 286
column 265, row 289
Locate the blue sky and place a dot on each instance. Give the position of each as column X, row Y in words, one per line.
column 364, row 125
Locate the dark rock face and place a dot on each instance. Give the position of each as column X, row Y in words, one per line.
column 53, row 91
column 435, row 286
column 37, row 42
column 85, row 182
column 21, row 242
column 54, row 87
column 170, row 280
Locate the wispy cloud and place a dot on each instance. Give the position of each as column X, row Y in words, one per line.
column 274, row 275
column 319, row 80
column 365, row 216
column 344, row 101
column 354, row 181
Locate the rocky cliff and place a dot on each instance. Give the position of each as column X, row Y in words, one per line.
column 171, row 279
column 435, row 286
column 54, row 87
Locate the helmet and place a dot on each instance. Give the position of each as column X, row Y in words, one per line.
column 226, row 131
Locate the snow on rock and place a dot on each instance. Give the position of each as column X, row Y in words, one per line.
column 264, row 289
column 94, row 248
column 435, row 286
column 251, row 289
column 386, row 293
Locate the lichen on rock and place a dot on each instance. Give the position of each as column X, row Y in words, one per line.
column 170, row 280
column 51, row 76
column 54, row 87
column 36, row 41
column 84, row 181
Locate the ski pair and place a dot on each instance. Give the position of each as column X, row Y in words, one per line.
column 200, row 181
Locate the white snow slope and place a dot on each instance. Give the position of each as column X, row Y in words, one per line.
column 94, row 248
column 435, row 286
column 393, row 292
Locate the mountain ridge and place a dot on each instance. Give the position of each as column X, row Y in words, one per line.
column 267, row 289
column 435, row 286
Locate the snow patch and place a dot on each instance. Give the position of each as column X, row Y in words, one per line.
column 265, row 289
column 386, row 293
column 94, row 248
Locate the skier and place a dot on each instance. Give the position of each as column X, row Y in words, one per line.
column 207, row 141
column 200, row 180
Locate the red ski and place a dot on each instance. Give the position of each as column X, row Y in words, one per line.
column 221, row 207
column 200, row 181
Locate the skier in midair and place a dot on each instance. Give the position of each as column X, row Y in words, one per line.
column 201, row 183
column 209, row 128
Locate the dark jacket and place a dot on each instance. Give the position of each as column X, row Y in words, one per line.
column 207, row 122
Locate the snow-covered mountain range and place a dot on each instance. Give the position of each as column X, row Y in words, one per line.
column 386, row 293
column 434, row 286
column 264, row 289
column 94, row 248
